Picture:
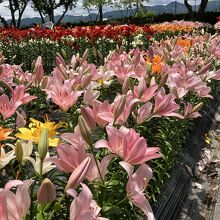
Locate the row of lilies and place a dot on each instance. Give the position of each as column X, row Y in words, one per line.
column 86, row 159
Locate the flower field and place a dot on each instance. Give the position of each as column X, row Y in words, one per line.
column 92, row 119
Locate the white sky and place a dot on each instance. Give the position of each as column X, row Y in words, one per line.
column 29, row 12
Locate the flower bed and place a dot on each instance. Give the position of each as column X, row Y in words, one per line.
column 28, row 44
column 84, row 132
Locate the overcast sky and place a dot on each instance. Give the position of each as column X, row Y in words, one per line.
column 4, row 11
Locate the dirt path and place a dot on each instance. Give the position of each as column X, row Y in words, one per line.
column 203, row 200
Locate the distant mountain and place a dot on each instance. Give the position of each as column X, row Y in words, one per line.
column 158, row 9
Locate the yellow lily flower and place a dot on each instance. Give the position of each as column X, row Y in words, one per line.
column 35, row 129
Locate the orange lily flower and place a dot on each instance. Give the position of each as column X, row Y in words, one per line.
column 4, row 133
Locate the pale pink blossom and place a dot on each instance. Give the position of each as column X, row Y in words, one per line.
column 8, row 107
column 14, row 206
column 63, row 95
column 137, row 182
column 66, row 163
column 165, row 105
column 83, row 207
column 19, row 94
column 127, row 144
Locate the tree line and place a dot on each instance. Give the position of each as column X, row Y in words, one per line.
column 46, row 8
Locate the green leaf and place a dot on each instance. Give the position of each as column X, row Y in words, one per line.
column 40, row 216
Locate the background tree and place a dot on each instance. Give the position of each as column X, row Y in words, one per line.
column 98, row 4
column 17, row 6
column 48, row 7
column 2, row 19
column 133, row 5
column 201, row 10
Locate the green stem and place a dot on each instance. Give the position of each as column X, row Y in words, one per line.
column 52, row 213
column 93, row 153
column 120, row 202
column 41, row 169
column 32, row 199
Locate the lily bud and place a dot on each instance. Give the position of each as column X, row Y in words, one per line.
column 19, row 151
column 125, row 86
column 163, row 80
column 150, row 53
column 33, row 65
column 78, row 174
column 120, row 107
column 63, row 71
column 149, row 69
column 100, row 55
column 205, row 68
column 85, row 130
column 46, row 192
column 85, row 55
column 44, row 82
column 94, row 51
column 43, row 144
column 73, row 61
column 63, row 53
column 141, row 87
column 60, row 60
column 87, row 114
column 197, row 107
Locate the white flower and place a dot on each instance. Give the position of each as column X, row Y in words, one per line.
column 27, row 148
column 5, row 158
column 47, row 166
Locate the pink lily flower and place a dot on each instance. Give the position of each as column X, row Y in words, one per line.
column 19, row 95
column 142, row 92
column 75, row 138
column 21, row 119
column 191, row 111
column 15, row 206
column 103, row 113
column 137, row 182
column 93, row 173
column 129, row 104
column 119, row 111
column 63, row 95
column 165, row 105
column 88, row 115
column 83, row 207
column 90, row 95
column 127, row 144
column 65, row 162
column 66, row 153
column 144, row 113
column 8, row 108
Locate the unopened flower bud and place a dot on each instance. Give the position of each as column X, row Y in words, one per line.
column 197, row 107
column 63, row 71
column 43, row 144
column 63, row 53
column 163, row 80
column 44, row 82
column 87, row 114
column 85, row 55
column 19, row 151
column 78, row 175
column 46, row 192
column 85, row 130
column 100, row 55
column 120, row 107
column 125, row 86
